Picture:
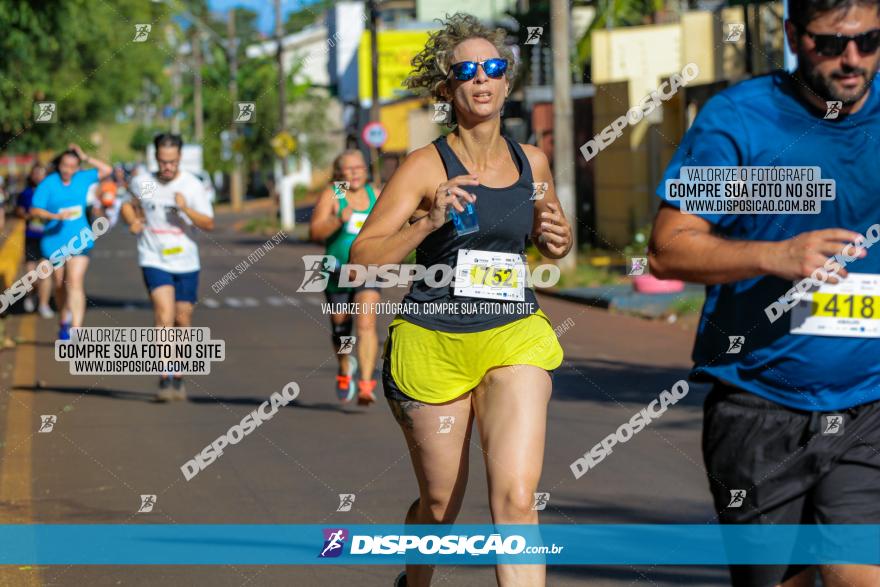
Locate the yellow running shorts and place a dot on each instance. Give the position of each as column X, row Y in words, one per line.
column 436, row 367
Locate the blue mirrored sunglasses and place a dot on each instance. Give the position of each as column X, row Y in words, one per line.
column 466, row 70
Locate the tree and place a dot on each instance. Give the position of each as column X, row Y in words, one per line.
column 297, row 21
column 257, row 83
column 79, row 55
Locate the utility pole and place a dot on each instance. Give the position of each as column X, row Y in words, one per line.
column 176, row 98
column 235, row 187
column 282, row 90
column 198, row 109
column 563, row 136
column 375, row 154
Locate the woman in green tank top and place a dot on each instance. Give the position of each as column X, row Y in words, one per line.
column 336, row 221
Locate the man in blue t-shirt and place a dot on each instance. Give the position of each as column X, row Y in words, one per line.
column 62, row 201
column 788, row 331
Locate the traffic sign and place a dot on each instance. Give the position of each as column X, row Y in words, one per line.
column 375, row 135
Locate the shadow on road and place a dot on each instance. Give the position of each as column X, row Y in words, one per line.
column 618, row 382
column 96, row 391
column 100, row 302
column 148, row 397
column 657, row 575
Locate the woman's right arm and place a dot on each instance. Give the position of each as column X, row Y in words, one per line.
column 387, row 235
column 324, row 220
column 46, row 215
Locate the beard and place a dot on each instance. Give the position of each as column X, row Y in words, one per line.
column 823, row 85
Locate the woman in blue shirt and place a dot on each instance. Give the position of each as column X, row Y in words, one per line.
column 61, row 200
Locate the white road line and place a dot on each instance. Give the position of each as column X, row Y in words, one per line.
column 210, row 303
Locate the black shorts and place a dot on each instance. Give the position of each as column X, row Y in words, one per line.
column 796, row 467
column 389, row 386
column 32, row 251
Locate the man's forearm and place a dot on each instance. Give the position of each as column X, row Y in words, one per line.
column 202, row 221
column 706, row 258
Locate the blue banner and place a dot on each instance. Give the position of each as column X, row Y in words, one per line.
column 611, row 544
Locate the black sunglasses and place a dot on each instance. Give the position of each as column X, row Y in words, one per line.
column 466, row 70
column 835, row 45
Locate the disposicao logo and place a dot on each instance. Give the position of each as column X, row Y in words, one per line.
column 334, row 542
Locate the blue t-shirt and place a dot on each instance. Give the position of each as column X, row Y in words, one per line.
column 764, row 122
column 52, row 195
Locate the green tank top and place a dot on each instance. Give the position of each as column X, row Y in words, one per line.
column 339, row 243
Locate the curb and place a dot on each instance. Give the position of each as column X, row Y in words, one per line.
column 622, row 298
column 11, row 253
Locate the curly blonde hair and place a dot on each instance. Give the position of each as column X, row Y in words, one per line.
column 431, row 66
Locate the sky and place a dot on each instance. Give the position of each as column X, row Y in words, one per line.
column 265, row 8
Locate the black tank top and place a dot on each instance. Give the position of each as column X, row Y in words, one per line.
column 505, row 217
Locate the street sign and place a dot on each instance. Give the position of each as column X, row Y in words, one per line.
column 375, row 135
column 283, row 144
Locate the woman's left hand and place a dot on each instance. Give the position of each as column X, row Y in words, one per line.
column 555, row 231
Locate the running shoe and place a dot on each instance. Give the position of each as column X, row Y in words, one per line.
column 29, row 305
column 400, row 581
column 346, row 387
column 64, row 331
column 365, row 392
column 46, row 312
column 166, row 392
column 179, row 389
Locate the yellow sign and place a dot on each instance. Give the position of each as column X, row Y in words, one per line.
column 395, row 51
column 283, row 144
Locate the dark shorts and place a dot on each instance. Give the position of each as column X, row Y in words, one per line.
column 32, row 251
column 392, row 391
column 796, row 467
column 186, row 285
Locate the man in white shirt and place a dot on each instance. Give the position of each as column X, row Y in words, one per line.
column 165, row 211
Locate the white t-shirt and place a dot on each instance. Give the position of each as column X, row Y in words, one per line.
column 166, row 242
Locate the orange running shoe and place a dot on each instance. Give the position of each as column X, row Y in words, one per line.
column 365, row 392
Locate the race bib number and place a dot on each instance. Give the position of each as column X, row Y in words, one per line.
column 849, row 308
column 75, row 212
column 491, row 275
column 355, row 223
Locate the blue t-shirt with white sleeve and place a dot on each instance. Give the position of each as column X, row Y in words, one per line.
column 53, row 196
column 765, row 122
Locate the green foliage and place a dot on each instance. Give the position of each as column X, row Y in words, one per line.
column 262, row 225
column 78, row 54
column 258, row 83
column 297, row 21
column 141, row 138
column 687, row 304
column 616, row 13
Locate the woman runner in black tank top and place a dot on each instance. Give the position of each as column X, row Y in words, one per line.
column 502, row 360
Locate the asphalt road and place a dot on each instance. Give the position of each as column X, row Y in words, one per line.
column 111, row 443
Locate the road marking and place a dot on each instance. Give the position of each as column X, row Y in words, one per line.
column 238, row 303
column 16, row 463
